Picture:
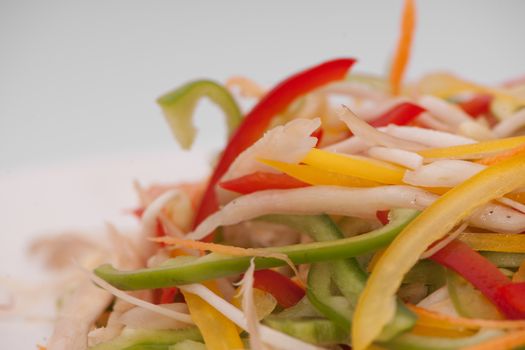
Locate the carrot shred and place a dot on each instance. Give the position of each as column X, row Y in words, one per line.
column 493, row 160
column 508, row 341
column 246, row 86
column 404, row 44
column 433, row 319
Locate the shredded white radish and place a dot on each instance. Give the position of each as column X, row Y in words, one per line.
column 407, row 159
column 358, row 202
column 140, row 318
column 498, row 218
column 512, row 204
column 510, row 125
column 352, row 145
column 154, row 209
column 427, row 137
column 270, row 336
column 287, row 143
column 475, row 130
column 76, row 317
column 126, row 255
column 373, row 136
column 444, row 242
column 442, row 173
column 372, row 111
column 429, row 121
column 443, row 110
column 311, row 107
column 439, row 301
column 354, row 90
column 179, row 316
column 248, row 307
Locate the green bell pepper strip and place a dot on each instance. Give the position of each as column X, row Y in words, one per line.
column 188, row 345
column 317, row 331
column 467, row 300
column 505, row 260
column 345, row 273
column 149, row 339
column 179, row 105
column 428, row 273
column 214, row 265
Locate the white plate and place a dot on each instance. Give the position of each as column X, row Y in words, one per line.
column 78, row 196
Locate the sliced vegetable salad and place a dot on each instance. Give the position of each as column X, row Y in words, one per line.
column 393, row 221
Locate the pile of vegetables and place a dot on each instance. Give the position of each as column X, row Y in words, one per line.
column 392, row 222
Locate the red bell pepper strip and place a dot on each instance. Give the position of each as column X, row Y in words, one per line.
column 318, row 133
column 167, row 295
column 259, row 118
column 285, row 291
column 476, row 269
column 402, row 114
column 382, row 216
column 260, row 181
column 476, row 106
column 512, row 300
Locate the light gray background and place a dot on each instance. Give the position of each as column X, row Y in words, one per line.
column 79, row 78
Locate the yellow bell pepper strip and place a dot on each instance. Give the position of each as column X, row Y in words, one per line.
column 363, row 168
column 376, row 305
column 404, row 45
column 474, row 150
column 518, row 197
column 495, row 242
column 178, row 107
column 315, row 176
column 219, row 333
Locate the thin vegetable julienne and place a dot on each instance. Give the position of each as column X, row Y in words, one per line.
column 259, row 118
column 345, row 273
column 376, row 305
column 178, row 107
column 184, row 270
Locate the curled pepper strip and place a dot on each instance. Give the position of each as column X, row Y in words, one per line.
column 376, row 305
column 260, row 117
column 178, row 107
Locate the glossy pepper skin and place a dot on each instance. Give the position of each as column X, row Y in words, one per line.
column 259, row 118
column 508, row 297
column 285, row 291
column 260, row 181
